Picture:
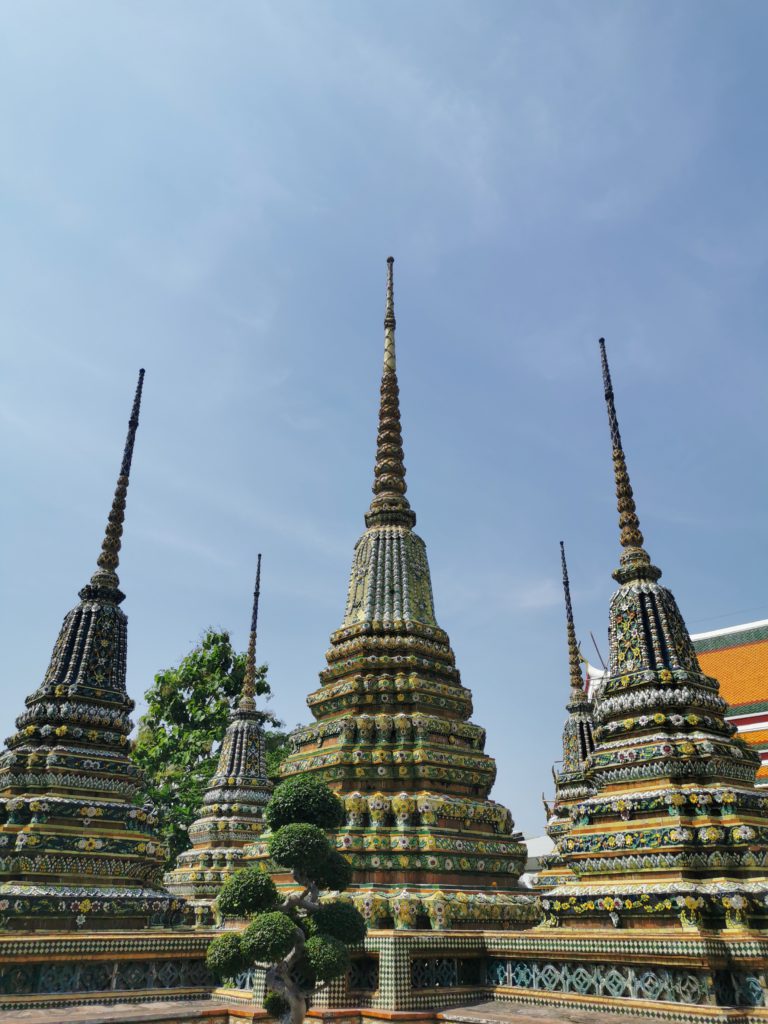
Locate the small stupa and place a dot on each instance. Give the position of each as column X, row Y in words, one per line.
column 571, row 783
column 77, row 848
column 393, row 735
column 233, row 805
column 676, row 834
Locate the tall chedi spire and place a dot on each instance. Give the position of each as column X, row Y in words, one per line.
column 571, row 783
column 676, row 830
column 232, row 812
column 76, row 849
column 392, row 734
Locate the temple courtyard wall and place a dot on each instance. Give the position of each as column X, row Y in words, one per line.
column 652, row 974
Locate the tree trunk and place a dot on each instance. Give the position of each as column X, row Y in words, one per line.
column 279, row 980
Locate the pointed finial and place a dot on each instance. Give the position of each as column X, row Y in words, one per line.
column 389, row 505
column 635, row 562
column 247, row 701
column 574, row 660
column 390, row 362
column 108, row 561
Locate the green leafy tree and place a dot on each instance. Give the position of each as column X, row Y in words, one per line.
column 179, row 735
column 303, row 942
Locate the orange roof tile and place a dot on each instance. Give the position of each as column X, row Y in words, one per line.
column 742, row 672
column 755, row 737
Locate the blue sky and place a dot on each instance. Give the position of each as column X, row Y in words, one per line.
column 211, row 190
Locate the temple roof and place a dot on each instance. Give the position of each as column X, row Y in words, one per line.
column 737, row 657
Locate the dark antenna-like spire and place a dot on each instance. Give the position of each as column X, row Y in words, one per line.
column 574, row 660
column 109, row 559
column 247, row 701
column 635, row 561
column 389, row 504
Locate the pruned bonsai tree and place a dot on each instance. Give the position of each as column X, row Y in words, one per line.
column 302, row 941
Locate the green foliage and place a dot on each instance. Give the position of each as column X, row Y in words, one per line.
column 247, row 892
column 276, row 749
column 304, row 798
column 312, row 938
column 300, row 846
column 275, row 1005
column 269, row 937
column 179, row 734
column 328, row 957
column 341, row 921
column 224, row 956
column 334, row 873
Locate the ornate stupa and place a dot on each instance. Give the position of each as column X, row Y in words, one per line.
column 392, row 734
column 233, row 805
column 77, row 848
column 676, row 833
column 571, row 783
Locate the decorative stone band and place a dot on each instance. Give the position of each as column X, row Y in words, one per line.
column 444, row 908
column 402, row 767
column 395, row 634
column 398, row 627
column 78, row 907
column 660, row 747
column 666, row 678
column 390, row 657
column 91, row 723
column 400, row 689
column 59, row 777
column 390, row 728
column 740, row 864
column 475, row 867
column 648, row 699
column 691, row 800
column 23, row 810
column 733, row 903
column 654, row 838
column 672, row 721
column 424, row 807
column 430, row 842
